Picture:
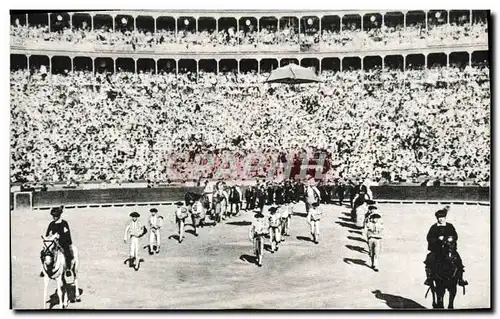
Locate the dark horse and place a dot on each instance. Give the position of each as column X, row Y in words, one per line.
column 358, row 202
column 445, row 274
column 191, row 197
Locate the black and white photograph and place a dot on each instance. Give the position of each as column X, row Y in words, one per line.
column 250, row 159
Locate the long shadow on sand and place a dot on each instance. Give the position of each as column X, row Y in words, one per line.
column 267, row 247
column 54, row 299
column 347, row 225
column 303, row 238
column 397, row 302
column 249, row 259
column 362, row 240
column 349, row 220
column 174, row 237
column 357, row 248
column 240, row 223
column 360, row 262
column 358, row 232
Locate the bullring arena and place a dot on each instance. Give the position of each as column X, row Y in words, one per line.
column 113, row 112
column 215, row 270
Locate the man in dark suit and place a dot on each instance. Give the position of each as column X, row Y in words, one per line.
column 248, row 198
column 279, row 193
column 288, row 192
column 270, row 193
column 340, row 191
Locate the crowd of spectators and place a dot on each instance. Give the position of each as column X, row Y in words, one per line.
column 385, row 124
column 267, row 37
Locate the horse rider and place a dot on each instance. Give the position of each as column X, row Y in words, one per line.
column 155, row 225
column 437, row 233
column 353, row 190
column 59, row 228
column 374, row 229
column 134, row 230
column 258, row 228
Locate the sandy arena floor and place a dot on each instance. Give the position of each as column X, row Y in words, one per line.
column 213, row 271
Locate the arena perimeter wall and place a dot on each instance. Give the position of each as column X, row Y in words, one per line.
column 166, row 195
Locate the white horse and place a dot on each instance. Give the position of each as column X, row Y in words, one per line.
column 54, row 267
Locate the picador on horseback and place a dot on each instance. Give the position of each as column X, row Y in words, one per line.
column 435, row 237
column 59, row 228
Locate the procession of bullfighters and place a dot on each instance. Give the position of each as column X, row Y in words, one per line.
column 250, row 159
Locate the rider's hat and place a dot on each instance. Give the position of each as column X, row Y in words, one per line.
column 373, row 216
column 441, row 213
column 153, row 210
column 135, row 214
column 56, row 211
column 371, row 207
column 179, row 203
column 272, row 210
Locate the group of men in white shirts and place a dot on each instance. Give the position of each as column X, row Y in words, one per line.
column 274, row 221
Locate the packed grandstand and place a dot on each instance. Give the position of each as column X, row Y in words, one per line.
column 401, row 112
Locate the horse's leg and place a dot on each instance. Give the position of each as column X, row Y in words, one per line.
column 452, row 290
column 433, row 290
column 440, row 290
column 46, row 280
column 59, row 291
column 64, row 290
